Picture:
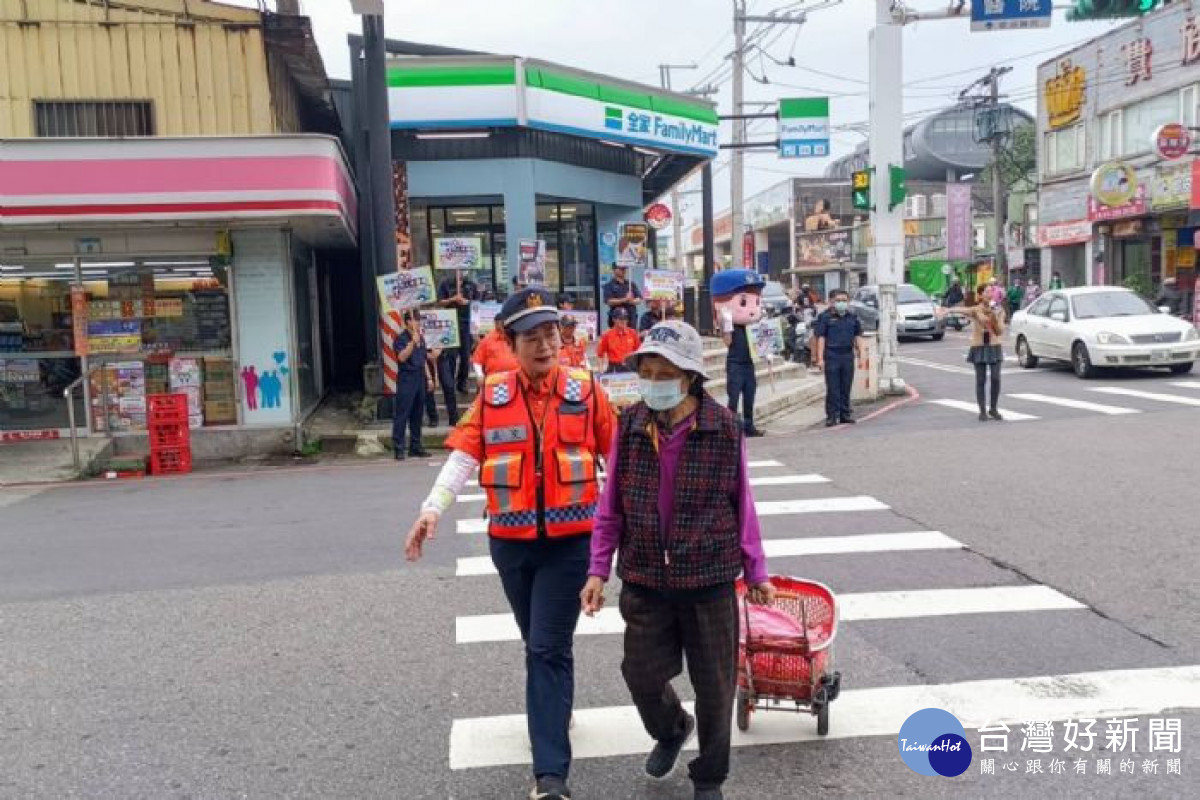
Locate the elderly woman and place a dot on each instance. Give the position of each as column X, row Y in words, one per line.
column 678, row 506
column 534, row 434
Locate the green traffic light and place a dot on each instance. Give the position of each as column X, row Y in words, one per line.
column 1085, row 10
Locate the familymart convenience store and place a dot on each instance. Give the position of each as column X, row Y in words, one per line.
column 509, row 149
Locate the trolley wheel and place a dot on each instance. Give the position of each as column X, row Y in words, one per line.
column 743, row 710
column 823, row 719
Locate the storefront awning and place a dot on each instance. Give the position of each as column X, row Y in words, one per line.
column 298, row 181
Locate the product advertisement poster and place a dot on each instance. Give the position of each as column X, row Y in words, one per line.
column 531, row 267
column 633, row 245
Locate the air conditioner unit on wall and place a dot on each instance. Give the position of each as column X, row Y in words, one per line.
column 916, row 206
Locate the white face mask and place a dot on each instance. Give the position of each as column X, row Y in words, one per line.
column 661, row 395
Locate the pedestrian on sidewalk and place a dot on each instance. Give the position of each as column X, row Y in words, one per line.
column 535, row 435
column 839, row 342
column 986, row 354
column 679, row 512
column 411, row 385
column 618, row 343
column 457, row 292
column 737, row 296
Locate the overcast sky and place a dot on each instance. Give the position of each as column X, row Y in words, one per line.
column 630, row 38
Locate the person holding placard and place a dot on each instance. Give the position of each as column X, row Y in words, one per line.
column 411, row 385
column 457, row 293
column 621, row 293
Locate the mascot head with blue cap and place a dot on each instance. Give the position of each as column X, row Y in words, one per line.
column 737, row 294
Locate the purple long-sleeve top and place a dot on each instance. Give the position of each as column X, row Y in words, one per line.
column 610, row 522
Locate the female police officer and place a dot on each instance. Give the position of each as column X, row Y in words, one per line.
column 535, row 435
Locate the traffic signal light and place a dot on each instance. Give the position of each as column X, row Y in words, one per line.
column 897, row 186
column 860, row 190
column 1110, row 9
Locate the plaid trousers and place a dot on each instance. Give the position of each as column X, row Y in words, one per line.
column 660, row 631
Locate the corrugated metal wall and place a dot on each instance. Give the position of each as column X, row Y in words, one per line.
column 202, row 65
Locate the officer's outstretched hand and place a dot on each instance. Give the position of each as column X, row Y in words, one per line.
column 424, row 528
column 592, row 597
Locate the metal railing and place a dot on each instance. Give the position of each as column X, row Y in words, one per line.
column 69, row 396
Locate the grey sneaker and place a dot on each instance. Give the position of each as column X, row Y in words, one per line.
column 665, row 755
column 550, row 787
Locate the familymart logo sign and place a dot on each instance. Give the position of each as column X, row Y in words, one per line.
column 657, row 128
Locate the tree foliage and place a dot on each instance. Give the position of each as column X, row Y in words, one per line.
column 1017, row 157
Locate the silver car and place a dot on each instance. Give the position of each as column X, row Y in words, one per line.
column 916, row 313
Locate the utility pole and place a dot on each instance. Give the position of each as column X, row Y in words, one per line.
column 737, row 158
column 885, row 264
column 664, row 73
column 999, row 196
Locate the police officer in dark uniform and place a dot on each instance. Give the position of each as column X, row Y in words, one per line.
column 839, row 342
column 411, row 386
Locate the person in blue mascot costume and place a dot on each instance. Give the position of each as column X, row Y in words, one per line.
column 737, row 302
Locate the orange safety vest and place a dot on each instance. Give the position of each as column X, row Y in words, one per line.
column 539, row 483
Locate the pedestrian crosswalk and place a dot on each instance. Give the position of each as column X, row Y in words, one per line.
column 1120, row 400
column 814, row 527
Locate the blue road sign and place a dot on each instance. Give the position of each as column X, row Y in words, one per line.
column 1007, row 15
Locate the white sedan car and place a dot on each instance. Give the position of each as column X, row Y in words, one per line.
column 1103, row 326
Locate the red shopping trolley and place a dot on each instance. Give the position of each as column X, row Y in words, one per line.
column 785, row 652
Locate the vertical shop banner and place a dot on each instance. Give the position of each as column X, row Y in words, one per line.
column 401, row 291
column 440, row 328
column 633, row 245
column 458, row 252
column 662, row 284
column 608, row 253
column 531, row 264
column 748, row 250
column 79, row 319
column 959, row 232
column 804, row 127
column 264, row 354
column 403, row 228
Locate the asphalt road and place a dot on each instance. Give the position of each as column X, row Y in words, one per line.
column 257, row 634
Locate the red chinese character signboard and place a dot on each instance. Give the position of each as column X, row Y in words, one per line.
column 1138, row 54
column 748, row 250
column 659, row 216
column 1172, row 141
column 79, row 319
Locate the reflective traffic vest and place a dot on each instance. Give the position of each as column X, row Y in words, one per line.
column 539, row 483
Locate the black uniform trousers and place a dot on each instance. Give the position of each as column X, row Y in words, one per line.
column 839, row 379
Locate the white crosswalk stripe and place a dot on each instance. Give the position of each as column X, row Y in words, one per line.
column 1082, row 405
column 617, row 730
column 963, row 405
column 760, row 464
column 765, row 508
column 853, row 607
column 757, row 480
column 1186, row 384
column 1158, row 397
column 781, row 548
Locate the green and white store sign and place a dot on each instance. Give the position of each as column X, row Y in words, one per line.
column 454, row 93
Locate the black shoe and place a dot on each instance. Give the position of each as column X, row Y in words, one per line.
column 462, row 389
column 994, row 414
column 982, row 417
column 849, row 420
column 550, row 787
column 665, row 755
column 399, row 455
column 433, row 423
column 709, row 793
column 755, row 433
column 419, row 453
column 831, row 422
